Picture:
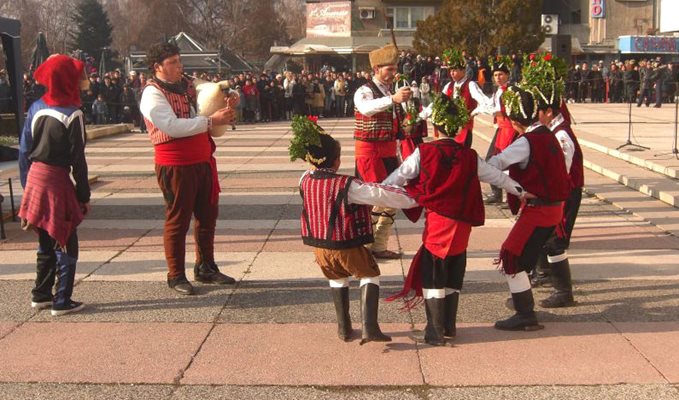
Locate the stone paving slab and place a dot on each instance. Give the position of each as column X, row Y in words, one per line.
column 658, row 342
column 7, row 327
column 21, row 264
column 62, row 391
column 233, row 392
column 633, row 301
column 271, row 265
column 268, row 353
column 151, row 266
column 15, row 300
column 302, row 302
column 112, row 353
column 139, row 302
column 226, row 240
column 561, row 354
column 51, row 391
column 599, row 392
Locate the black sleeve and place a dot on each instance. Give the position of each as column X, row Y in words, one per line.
column 77, row 138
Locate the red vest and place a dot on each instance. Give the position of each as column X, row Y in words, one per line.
column 466, row 95
column 183, row 151
column 448, row 183
column 381, row 127
column 328, row 219
column 545, row 175
column 577, row 172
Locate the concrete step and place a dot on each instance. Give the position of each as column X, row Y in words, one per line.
column 647, row 176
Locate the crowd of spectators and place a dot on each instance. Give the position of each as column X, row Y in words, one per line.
column 114, row 97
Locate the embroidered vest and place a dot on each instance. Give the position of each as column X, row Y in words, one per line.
column 328, row 219
column 381, row 127
column 181, row 106
column 545, row 175
column 448, row 183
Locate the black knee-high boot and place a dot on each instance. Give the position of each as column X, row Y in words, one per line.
column 370, row 297
column 452, row 301
column 525, row 318
column 563, row 288
column 436, row 324
column 340, row 297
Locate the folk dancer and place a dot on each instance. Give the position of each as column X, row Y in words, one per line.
column 336, row 222
column 378, row 125
column 536, row 161
column 443, row 176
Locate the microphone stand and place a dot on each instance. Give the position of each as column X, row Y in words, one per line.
column 675, row 151
column 637, row 147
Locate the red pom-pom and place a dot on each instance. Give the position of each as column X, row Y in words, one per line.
column 548, row 57
column 312, row 118
column 532, row 56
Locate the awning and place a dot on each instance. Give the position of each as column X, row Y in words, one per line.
column 340, row 45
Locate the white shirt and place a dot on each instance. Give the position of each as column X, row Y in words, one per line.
column 517, row 153
column 410, row 169
column 367, row 104
column 484, row 104
column 565, row 141
column 155, row 107
column 375, row 194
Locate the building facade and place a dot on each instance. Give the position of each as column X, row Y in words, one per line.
column 610, row 29
column 340, row 34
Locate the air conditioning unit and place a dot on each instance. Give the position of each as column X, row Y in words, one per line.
column 550, row 24
column 366, row 12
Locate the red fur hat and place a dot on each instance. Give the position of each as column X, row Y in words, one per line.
column 60, row 75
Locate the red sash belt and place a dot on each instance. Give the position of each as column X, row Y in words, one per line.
column 190, row 150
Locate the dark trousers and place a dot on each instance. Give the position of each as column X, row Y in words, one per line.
column 55, row 263
column 558, row 244
column 441, row 273
column 186, row 190
column 644, row 96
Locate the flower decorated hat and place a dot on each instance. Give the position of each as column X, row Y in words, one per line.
column 520, row 105
column 501, row 63
column 454, row 59
column 449, row 115
column 310, row 142
column 543, row 74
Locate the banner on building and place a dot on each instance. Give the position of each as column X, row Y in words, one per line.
column 598, row 9
column 648, row 44
column 328, row 19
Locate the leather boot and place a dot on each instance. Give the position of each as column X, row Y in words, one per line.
column 340, row 296
column 452, row 301
column 525, row 318
column 180, row 285
column 540, row 276
column 562, row 296
column 370, row 297
column 436, row 324
column 209, row 273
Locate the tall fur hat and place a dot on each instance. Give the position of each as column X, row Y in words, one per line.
column 387, row 55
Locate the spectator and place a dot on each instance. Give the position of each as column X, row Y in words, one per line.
column 100, row 110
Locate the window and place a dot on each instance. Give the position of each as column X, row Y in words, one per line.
column 406, row 17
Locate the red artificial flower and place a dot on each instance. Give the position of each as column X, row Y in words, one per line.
column 532, row 56
column 548, row 57
column 408, row 117
column 312, row 118
column 533, row 64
